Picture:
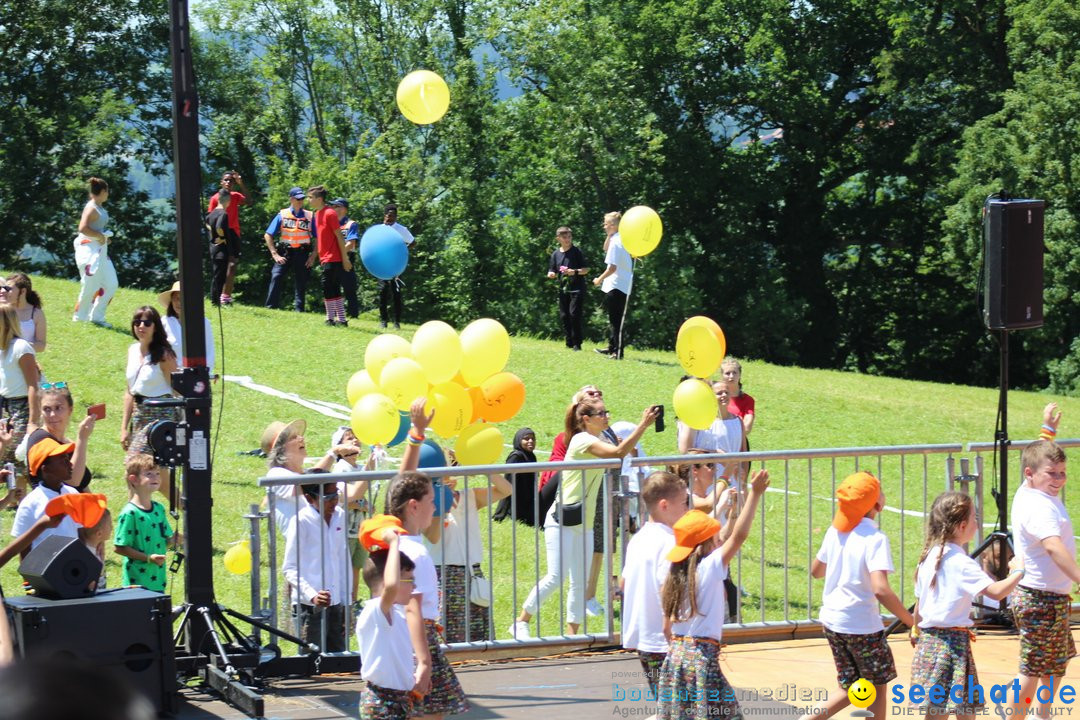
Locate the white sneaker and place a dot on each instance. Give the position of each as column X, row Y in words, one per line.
column 519, row 630
column 593, row 608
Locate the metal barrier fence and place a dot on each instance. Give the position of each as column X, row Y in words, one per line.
column 776, row 594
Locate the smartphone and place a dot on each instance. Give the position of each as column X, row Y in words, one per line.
column 659, row 418
column 98, row 411
column 10, row 467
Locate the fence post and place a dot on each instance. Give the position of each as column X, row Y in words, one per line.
column 254, row 517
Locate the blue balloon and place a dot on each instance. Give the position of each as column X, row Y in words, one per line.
column 431, row 455
column 402, row 430
column 383, row 252
column 444, row 498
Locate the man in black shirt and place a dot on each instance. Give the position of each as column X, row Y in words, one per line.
column 568, row 266
column 224, row 244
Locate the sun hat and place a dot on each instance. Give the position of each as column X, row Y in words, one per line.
column 275, row 429
column 692, row 529
column 854, row 498
column 165, row 299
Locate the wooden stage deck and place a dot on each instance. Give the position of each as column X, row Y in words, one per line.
column 583, row 686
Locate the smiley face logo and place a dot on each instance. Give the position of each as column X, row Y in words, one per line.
column 861, row 693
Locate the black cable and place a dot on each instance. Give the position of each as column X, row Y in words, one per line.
column 221, row 403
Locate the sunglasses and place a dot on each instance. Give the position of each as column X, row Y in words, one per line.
column 602, row 413
column 407, row 581
column 6, row 288
column 142, row 322
column 54, row 385
column 709, row 465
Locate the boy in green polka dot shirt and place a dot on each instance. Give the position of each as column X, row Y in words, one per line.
column 142, row 529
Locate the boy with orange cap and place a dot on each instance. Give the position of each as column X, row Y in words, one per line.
column 855, row 561
column 49, row 464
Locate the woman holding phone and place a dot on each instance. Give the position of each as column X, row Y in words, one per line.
column 57, row 405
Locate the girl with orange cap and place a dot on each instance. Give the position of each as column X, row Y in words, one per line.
column 691, row 683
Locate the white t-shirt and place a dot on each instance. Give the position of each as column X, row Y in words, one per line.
column 711, row 601
column 959, row 580
column 427, row 582
column 848, row 603
column 285, row 504
column 404, row 233
column 386, row 653
column 623, row 276
column 722, row 435
column 143, row 377
column 644, row 572
column 1035, row 517
column 460, row 535
column 12, row 380
column 32, row 508
column 175, row 336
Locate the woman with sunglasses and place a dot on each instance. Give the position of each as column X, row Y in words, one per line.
column 19, row 379
column 56, row 406
column 569, row 547
column 707, row 493
column 150, row 365
column 96, row 270
column 19, row 294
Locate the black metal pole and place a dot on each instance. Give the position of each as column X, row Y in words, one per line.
column 1003, row 452
column 193, row 382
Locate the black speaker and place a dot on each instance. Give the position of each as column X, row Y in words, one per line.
column 61, row 568
column 1013, row 237
column 128, row 631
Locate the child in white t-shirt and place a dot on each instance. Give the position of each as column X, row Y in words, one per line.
column 855, row 561
column 645, row 569
column 946, row 582
column 382, row 631
column 691, row 684
column 1043, row 537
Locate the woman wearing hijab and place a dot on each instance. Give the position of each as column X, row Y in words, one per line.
column 522, row 504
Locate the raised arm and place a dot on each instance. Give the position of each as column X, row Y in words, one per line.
column 758, row 484
column 605, row 450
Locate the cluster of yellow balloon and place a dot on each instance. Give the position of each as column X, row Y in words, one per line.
column 700, row 346
column 462, row 377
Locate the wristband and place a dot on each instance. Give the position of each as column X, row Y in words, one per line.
column 415, row 439
column 1019, row 572
column 1049, row 429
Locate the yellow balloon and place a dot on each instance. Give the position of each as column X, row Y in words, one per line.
column 403, row 380
column 452, row 406
column 381, row 350
column 375, row 419
column 360, row 384
column 238, row 558
column 437, row 348
column 485, row 348
column 699, row 351
column 710, row 324
column 479, row 444
column 695, row 403
column 640, row 230
column 423, row 97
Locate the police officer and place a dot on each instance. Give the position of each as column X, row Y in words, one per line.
column 293, row 251
column 351, row 230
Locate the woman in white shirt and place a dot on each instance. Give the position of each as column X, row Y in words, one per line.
column 150, row 365
column 19, row 293
column 18, row 382
column 170, row 300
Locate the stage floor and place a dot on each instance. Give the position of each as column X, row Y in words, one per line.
column 775, row 680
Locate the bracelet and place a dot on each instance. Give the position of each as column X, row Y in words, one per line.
column 1049, row 429
column 415, row 439
column 1019, row 572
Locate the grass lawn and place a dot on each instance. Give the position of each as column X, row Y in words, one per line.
column 797, row 409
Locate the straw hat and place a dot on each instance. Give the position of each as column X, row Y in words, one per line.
column 276, row 429
column 165, row 299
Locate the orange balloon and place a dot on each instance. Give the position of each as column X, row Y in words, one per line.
column 477, row 403
column 503, row 394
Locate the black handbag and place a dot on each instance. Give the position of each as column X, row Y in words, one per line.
column 570, row 515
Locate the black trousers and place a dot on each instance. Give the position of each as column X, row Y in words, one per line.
column 615, row 304
column 389, row 290
column 295, row 260
column 219, row 258
column 350, row 284
column 331, row 280
column 572, row 314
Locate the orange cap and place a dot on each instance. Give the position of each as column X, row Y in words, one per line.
column 86, row 509
column 855, row 497
column 692, row 529
column 371, row 531
column 44, row 449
